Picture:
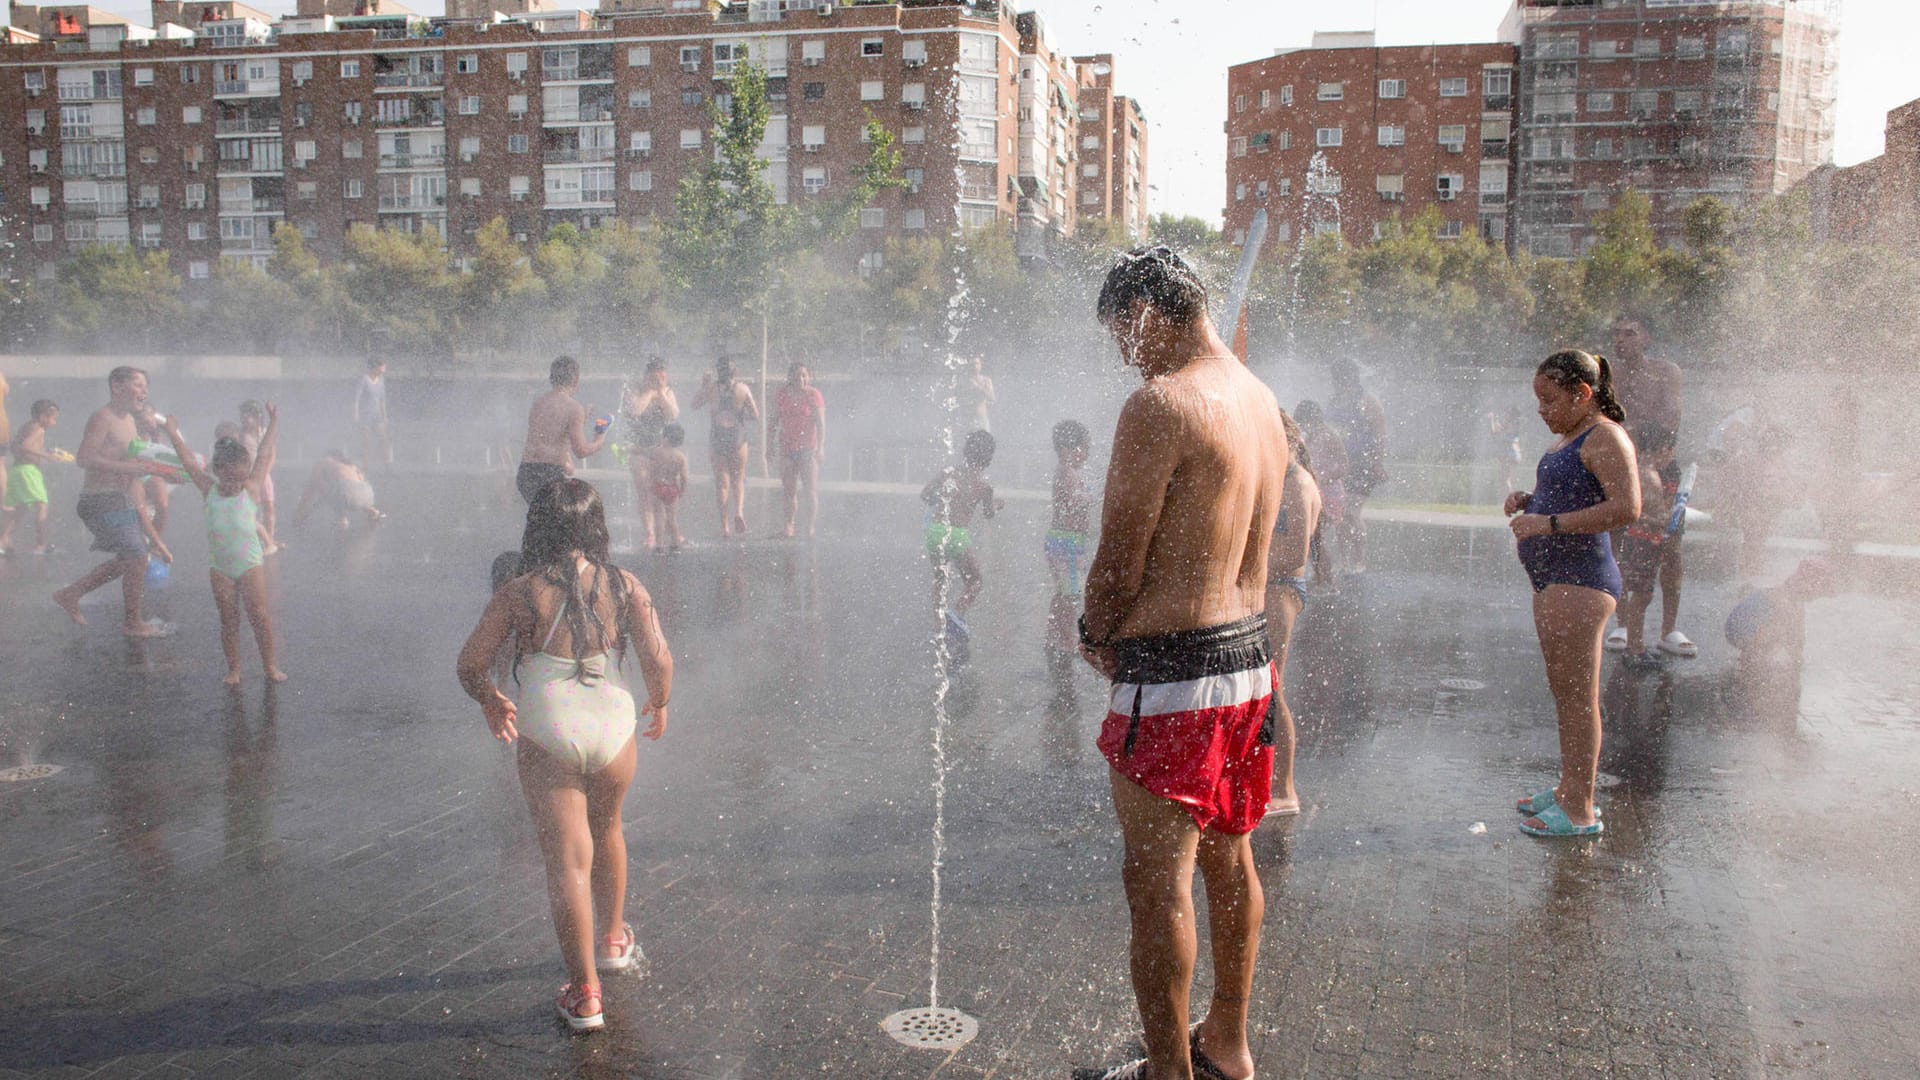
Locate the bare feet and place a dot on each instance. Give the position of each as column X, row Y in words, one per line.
column 147, row 629
column 276, row 675
column 740, row 525
column 71, row 605
column 233, row 677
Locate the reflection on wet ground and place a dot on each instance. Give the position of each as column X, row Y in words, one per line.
column 338, row 878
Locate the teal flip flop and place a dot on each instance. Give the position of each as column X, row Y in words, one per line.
column 1533, row 806
column 1554, row 824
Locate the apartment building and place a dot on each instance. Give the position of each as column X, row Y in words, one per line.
column 200, row 139
column 1673, row 98
column 1876, row 202
column 1394, row 131
column 1113, row 149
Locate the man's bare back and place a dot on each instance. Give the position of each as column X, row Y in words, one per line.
column 553, row 429
column 1198, row 469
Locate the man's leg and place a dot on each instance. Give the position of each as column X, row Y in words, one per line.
column 1670, row 574
column 1158, row 874
column 1235, row 906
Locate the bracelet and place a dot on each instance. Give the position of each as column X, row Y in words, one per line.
column 1553, row 523
column 1086, row 639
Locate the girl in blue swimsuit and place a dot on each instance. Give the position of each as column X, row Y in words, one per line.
column 1585, row 486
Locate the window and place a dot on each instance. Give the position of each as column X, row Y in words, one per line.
column 469, row 147
column 143, row 76
column 517, row 144
column 872, row 47
column 1690, row 48
column 1687, row 103
column 1554, row 106
column 640, row 180
column 470, row 186
column 1646, row 46
column 1604, row 50
column 148, row 197
column 350, row 112
column 1090, row 171
column 36, row 121
column 189, row 74
column 813, row 136
column 353, row 189
column 304, row 151
column 1497, row 82
column 1454, row 87
column 914, row 219
column 516, row 106
column 1495, row 131
column 349, row 69
column 1240, row 191
column 1393, row 88
column 872, row 263
column 1332, row 91
column 873, row 218
column 639, row 142
column 41, row 197
column 1239, row 103
column 469, row 104
column 1493, row 183
column 725, row 55
column 1448, row 185
column 1453, row 136
column 913, row 135
column 1090, row 142
column 350, row 148
column 1285, row 141
column 690, row 138
column 1603, row 149
column 516, row 65
column 690, row 96
column 1388, row 135
column 1329, row 136
column 813, row 181
column 306, row 191
column 1392, row 188
column 1449, row 230
column 518, row 187
column 689, row 58
column 640, row 56
column 197, row 269
column 195, row 198
column 1286, row 95
column 1238, row 146
column 1324, row 185
column 146, row 116
column 639, row 99
column 466, row 63
column 196, row 230
column 914, row 52
column 43, row 234
column 190, row 114
column 813, row 52
column 813, row 91
column 1266, row 99
column 1644, row 103
column 914, row 95
column 872, row 90
column 1599, row 102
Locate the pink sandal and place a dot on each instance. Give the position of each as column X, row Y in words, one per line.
column 579, row 1006
column 628, row 946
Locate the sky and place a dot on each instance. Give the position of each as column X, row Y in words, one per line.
column 1173, row 56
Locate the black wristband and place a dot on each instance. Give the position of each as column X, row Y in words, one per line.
column 1086, row 638
column 1553, row 523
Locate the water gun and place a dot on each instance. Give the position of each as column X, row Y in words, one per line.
column 601, row 424
column 142, row 450
column 1680, row 497
column 59, row 455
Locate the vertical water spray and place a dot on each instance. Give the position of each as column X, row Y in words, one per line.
column 935, row 1027
column 1320, row 193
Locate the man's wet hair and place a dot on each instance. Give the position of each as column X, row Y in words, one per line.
column 122, row 375
column 978, row 449
column 1071, row 435
column 1157, row 277
column 673, row 434
column 564, row 372
column 374, row 363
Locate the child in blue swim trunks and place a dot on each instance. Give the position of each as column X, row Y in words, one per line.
column 1066, row 548
column 231, row 483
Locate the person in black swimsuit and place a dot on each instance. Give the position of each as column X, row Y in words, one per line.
column 733, row 410
column 646, row 408
column 1586, row 485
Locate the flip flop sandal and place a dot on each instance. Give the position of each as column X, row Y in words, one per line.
column 1678, row 644
column 1132, row 1070
column 1203, row 1066
column 1540, row 802
column 1555, row 825
column 1616, row 639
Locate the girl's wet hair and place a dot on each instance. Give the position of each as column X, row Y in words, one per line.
column 1071, row 435
column 1572, row 368
column 1157, row 277
column 656, row 363
column 673, row 434
column 566, row 517
column 1296, row 442
column 228, row 450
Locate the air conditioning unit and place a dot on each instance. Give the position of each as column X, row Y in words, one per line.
column 468, row 158
column 36, row 129
column 690, row 65
column 519, row 196
column 1448, row 194
column 825, row 8
column 35, row 91
column 813, row 147
column 812, row 61
column 917, row 62
column 299, row 121
column 299, row 82
column 1455, row 148
column 917, row 104
column 193, row 166
column 1392, row 196
column 38, row 167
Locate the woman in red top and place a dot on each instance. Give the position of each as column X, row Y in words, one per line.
column 803, row 435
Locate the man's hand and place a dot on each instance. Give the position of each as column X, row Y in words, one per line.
column 1102, row 658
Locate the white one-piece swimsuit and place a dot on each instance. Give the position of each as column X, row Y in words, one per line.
column 581, row 712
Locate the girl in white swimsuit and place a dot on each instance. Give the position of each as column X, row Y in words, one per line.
column 574, row 705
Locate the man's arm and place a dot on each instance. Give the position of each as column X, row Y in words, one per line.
column 1142, row 466
column 583, row 448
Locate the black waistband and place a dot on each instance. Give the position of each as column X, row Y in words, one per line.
column 1240, row 645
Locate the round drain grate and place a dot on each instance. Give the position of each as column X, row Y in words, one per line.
column 28, row 772
column 1462, row 684
column 931, row 1028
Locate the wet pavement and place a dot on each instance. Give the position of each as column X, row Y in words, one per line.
column 338, row 879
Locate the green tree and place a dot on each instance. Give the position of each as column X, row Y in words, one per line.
column 110, row 296
column 1621, row 270
column 1183, row 233
column 402, row 283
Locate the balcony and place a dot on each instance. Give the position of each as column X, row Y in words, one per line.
column 426, row 159
column 100, row 169
column 247, row 88
column 408, row 204
column 95, row 210
column 389, row 80
column 247, row 125
column 581, row 114
column 1495, row 148
column 575, row 155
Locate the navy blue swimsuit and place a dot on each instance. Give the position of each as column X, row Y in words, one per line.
column 1563, row 484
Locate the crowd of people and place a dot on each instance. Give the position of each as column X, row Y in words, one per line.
column 1179, row 581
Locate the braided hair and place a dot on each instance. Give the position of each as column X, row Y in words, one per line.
column 565, row 521
column 1570, row 368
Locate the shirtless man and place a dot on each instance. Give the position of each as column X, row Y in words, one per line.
column 556, row 432
column 1649, row 390
column 108, row 505
column 1175, row 618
